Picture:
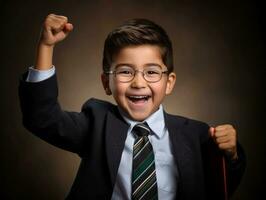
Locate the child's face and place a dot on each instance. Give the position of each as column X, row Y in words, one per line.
column 139, row 98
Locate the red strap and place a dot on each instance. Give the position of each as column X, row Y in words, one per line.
column 225, row 180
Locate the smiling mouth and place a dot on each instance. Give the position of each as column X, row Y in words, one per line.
column 140, row 98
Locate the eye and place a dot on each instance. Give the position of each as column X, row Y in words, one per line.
column 124, row 71
column 151, row 72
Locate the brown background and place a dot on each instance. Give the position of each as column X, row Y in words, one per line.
column 219, row 61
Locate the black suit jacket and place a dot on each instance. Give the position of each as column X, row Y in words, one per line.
column 98, row 135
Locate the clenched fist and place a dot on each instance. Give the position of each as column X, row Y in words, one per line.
column 55, row 29
column 225, row 137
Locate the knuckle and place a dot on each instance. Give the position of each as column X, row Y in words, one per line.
column 50, row 15
column 232, row 132
column 63, row 18
column 229, row 125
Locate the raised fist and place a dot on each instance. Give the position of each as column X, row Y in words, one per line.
column 55, row 29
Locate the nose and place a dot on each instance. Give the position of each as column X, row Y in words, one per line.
column 138, row 80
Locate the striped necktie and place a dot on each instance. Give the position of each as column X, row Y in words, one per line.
column 144, row 183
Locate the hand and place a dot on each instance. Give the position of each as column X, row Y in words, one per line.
column 55, row 29
column 225, row 137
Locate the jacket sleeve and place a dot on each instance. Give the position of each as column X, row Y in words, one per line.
column 43, row 116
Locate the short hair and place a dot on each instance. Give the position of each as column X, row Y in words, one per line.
column 136, row 32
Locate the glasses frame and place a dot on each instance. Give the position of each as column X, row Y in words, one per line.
column 135, row 72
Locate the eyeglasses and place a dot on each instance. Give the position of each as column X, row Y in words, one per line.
column 126, row 74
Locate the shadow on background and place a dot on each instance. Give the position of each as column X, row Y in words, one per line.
column 219, row 61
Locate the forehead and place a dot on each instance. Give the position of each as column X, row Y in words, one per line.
column 139, row 55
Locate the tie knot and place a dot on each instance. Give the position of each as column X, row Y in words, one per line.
column 141, row 129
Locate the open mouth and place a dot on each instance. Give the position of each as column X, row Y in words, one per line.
column 139, row 98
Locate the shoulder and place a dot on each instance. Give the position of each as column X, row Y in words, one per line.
column 93, row 102
column 189, row 127
column 185, row 121
column 98, row 106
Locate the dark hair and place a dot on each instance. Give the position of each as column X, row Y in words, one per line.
column 137, row 32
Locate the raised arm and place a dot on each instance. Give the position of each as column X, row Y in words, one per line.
column 42, row 114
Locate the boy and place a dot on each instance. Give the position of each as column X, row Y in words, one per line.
column 133, row 150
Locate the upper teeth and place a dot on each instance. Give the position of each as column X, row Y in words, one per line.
column 138, row 97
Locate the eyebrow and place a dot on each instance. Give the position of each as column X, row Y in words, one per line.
column 133, row 66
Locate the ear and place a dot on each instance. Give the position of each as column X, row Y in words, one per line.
column 105, row 82
column 170, row 83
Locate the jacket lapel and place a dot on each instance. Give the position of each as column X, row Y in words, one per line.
column 116, row 133
column 182, row 152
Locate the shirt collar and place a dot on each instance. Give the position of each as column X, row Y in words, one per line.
column 155, row 121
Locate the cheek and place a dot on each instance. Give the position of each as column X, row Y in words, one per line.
column 113, row 85
column 117, row 88
column 159, row 89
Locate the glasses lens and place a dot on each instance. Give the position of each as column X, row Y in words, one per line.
column 124, row 74
column 152, row 74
